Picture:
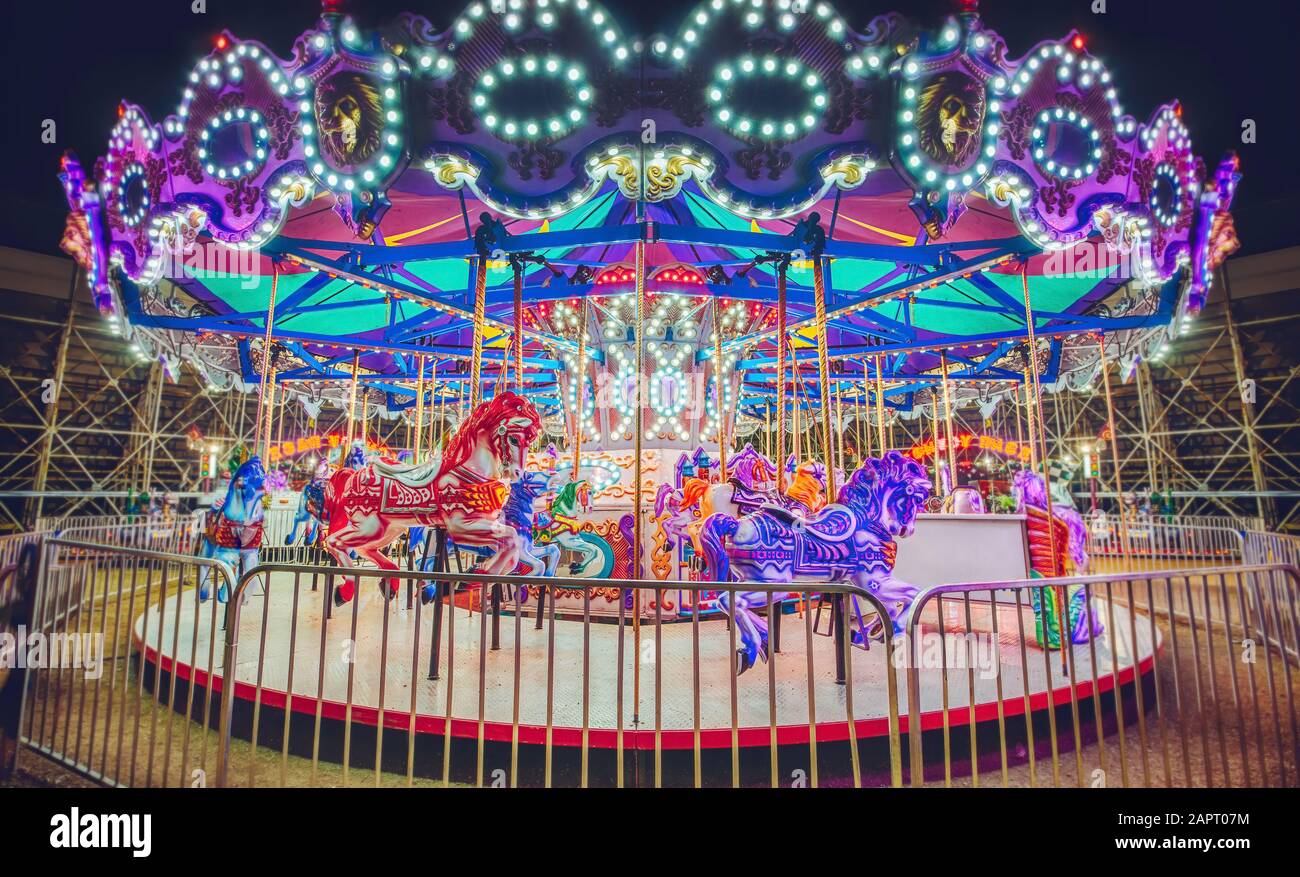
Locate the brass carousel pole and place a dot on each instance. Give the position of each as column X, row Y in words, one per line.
column 519, row 327
column 637, row 419
column 270, row 415
column 779, row 457
column 1114, row 445
column 581, row 378
column 934, row 432
column 839, row 422
column 880, row 407
column 419, row 410
column 352, row 406
column 823, row 373
column 721, row 392
column 266, row 354
column 861, row 431
column 480, row 318
column 795, row 444
column 947, row 417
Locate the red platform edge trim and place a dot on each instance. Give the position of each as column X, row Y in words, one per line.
column 644, row 739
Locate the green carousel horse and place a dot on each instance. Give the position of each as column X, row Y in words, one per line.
column 560, row 524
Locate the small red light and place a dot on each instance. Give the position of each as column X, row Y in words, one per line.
column 222, row 42
column 1078, row 42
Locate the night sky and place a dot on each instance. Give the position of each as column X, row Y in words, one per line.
column 73, row 60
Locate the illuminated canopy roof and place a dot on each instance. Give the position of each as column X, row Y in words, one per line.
column 350, row 176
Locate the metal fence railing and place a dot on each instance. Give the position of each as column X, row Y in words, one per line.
column 618, row 715
column 168, row 535
column 1201, row 661
column 1191, row 680
column 90, row 703
column 1150, row 545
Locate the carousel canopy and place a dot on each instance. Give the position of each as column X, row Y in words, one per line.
column 948, row 187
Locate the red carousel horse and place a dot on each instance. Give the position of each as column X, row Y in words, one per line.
column 369, row 508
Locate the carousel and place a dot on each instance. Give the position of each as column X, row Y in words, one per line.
column 737, row 301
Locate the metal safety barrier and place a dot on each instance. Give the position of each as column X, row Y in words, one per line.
column 1152, row 545
column 168, row 535
column 1191, row 680
column 1220, row 668
column 410, row 670
column 90, row 702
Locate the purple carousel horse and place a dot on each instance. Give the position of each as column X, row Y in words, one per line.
column 852, row 539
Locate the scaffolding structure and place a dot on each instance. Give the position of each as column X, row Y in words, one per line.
column 87, row 423
column 1212, row 426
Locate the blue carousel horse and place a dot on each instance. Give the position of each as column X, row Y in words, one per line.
column 232, row 531
column 311, row 508
column 534, row 559
column 852, row 539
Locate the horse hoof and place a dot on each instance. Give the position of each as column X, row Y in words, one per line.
column 743, row 661
column 221, row 594
column 428, row 594
column 204, row 593
column 343, row 593
column 388, row 588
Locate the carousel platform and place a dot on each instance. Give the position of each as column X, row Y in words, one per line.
column 291, row 655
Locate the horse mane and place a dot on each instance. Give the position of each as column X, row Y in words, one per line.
column 804, row 487
column 567, row 493
column 499, row 407
column 693, row 491
column 1030, row 490
column 865, row 489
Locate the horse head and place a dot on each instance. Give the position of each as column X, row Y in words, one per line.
column 889, row 492
column 277, row 480
column 523, row 493
column 750, row 467
column 531, row 484
column 246, row 487
column 693, row 493
column 1028, row 489
column 806, row 488
column 356, row 458
column 314, row 494
column 506, row 426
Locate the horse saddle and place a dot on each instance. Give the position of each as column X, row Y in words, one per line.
column 413, row 476
column 820, row 544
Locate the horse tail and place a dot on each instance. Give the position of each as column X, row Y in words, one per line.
column 661, row 498
column 1078, row 536
column 717, row 528
column 335, row 488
